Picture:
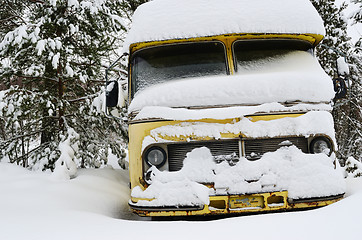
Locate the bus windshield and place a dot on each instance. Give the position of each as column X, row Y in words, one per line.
column 165, row 63
column 265, row 55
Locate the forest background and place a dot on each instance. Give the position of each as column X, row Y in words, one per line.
column 53, row 55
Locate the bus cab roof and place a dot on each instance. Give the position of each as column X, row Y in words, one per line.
column 161, row 20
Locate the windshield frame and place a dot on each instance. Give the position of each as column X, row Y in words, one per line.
column 132, row 82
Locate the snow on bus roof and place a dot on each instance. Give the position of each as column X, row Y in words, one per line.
column 177, row 19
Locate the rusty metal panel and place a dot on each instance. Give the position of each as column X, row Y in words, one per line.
column 247, row 202
column 239, row 204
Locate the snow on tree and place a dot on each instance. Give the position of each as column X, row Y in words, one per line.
column 58, row 51
column 356, row 17
column 336, row 34
column 357, row 14
column 353, row 168
column 12, row 14
column 347, row 112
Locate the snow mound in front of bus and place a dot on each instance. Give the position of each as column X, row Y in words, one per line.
column 177, row 19
column 287, row 169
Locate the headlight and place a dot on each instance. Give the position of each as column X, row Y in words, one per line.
column 155, row 156
column 321, row 145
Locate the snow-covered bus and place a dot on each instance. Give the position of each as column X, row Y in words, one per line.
column 229, row 110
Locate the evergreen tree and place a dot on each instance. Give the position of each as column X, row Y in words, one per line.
column 347, row 112
column 336, row 34
column 132, row 5
column 12, row 14
column 58, row 51
column 357, row 15
column 356, row 88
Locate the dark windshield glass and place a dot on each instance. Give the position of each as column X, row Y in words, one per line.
column 160, row 64
column 258, row 55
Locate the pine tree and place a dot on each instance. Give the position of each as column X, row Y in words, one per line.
column 357, row 15
column 356, row 88
column 336, row 34
column 12, row 14
column 59, row 51
column 132, row 5
column 347, row 112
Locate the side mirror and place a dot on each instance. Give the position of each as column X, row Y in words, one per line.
column 112, row 92
column 115, row 99
column 339, row 83
column 340, row 88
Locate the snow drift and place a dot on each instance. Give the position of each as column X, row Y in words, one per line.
column 93, row 206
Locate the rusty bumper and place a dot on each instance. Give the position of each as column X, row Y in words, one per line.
column 237, row 204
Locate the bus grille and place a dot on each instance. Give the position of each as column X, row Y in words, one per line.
column 177, row 152
column 254, row 148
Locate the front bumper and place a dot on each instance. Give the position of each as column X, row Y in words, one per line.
column 237, row 204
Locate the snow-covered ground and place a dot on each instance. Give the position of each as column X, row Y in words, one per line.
column 93, row 205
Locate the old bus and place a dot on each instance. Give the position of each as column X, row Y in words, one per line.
column 229, row 110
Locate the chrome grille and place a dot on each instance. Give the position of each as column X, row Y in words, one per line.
column 255, row 148
column 177, row 152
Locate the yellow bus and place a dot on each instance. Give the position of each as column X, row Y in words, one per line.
column 229, row 110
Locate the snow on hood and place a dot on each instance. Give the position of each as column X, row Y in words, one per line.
column 182, row 114
column 309, row 124
column 297, row 77
column 175, row 19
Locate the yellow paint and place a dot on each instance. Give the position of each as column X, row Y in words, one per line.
column 272, row 117
column 138, row 131
column 227, row 39
column 246, row 202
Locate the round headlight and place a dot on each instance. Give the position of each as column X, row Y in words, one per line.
column 321, row 145
column 155, row 156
